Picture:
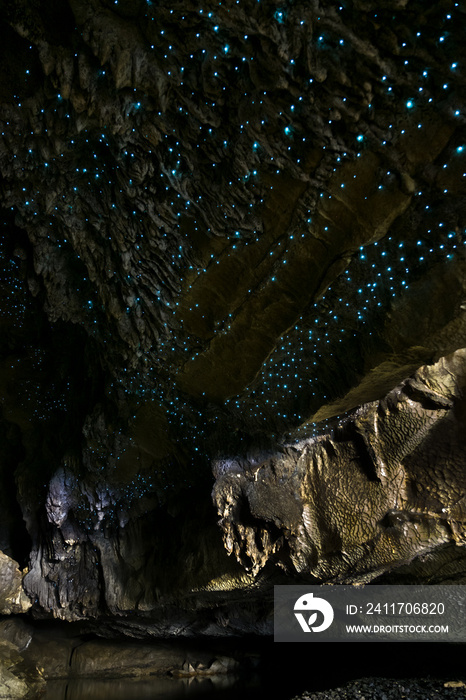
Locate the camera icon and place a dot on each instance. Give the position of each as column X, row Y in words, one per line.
column 308, row 603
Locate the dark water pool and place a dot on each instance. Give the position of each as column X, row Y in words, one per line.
column 284, row 671
column 155, row 689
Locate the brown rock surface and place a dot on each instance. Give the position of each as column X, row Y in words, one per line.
column 12, row 596
column 388, row 486
column 17, row 678
column 226, row 231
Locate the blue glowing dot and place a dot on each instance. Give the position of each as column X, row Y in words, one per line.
column 410, row 104
column 226, row 48
column 360, row 138
column 460, row 149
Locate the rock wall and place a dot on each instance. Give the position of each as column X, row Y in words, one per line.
column 226, row 230
column 244, row 207
column 381, row 498
column 388, row 486
column 12, row 596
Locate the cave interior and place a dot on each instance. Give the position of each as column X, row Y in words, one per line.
column 232, row 307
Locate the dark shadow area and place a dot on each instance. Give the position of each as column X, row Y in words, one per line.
column 290, row 669
column 266, row 669
column 283, row 672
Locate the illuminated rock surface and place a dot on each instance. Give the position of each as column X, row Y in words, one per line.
column 228, row 230
column 18, row 679
column 388, row 486
column 12, row 596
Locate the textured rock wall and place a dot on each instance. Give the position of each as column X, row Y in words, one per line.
column 384, row 493
column 388, row 486
column 222, row 228
column 12, row 596
column 238, row 200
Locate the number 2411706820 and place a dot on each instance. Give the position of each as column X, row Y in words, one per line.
column 405, row 608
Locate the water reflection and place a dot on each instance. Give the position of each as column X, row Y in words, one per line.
column 213, row 688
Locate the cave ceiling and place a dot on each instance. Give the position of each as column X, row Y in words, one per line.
column 224, row 223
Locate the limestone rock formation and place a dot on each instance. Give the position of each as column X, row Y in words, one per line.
column 18, row 679
column 12, row 596
column 383, row 493
column 388, row 486
column 232, row 234
column 30, row 655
